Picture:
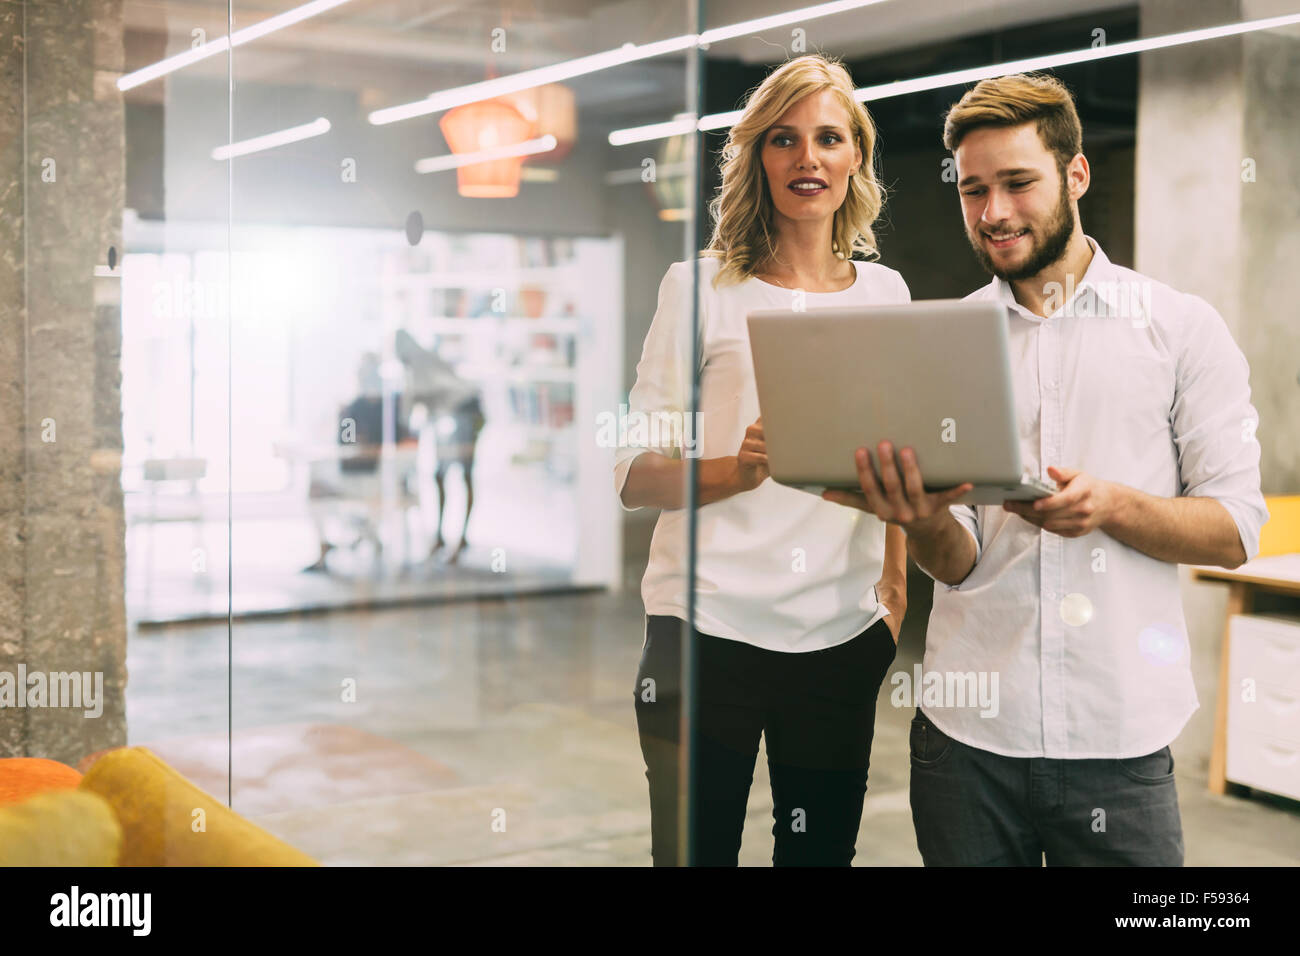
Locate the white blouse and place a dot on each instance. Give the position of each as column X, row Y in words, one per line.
column 776, row 567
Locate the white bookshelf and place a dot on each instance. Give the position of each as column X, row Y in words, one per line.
column 543, row 377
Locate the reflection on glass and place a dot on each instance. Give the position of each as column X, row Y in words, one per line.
column 427, row 325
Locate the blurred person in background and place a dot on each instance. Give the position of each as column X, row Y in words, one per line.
column 454, row 414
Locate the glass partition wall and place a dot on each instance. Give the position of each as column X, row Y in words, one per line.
column 331, row 313
column 439, row 270
column 118, row 401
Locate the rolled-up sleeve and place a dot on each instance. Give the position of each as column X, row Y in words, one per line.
column 1214, row 422
column 661, row 394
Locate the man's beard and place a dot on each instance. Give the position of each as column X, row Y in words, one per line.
column 1052, row 248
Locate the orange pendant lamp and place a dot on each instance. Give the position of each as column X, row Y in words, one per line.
column 486, row 125
column 553, row 111
column 504, row 121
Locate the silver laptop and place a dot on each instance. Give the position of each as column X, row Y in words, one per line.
column 933, row 375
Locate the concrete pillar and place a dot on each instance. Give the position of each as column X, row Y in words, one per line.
column 62, row 550
column 1218, row 195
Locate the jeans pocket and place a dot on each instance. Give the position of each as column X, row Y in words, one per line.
column 928, row 745
column 1152, row 769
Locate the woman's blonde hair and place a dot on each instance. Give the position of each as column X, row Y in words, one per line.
column 742, row 210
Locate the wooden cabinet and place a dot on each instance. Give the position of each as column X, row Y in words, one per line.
column 1263, row 734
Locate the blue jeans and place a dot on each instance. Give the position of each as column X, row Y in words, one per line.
column 971, row 807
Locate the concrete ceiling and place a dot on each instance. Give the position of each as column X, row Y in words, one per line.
column 894, row 24
column 394, row 51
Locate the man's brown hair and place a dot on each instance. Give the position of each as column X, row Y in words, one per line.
column 1016, row 99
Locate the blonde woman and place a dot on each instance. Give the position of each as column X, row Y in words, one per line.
column 798, row 601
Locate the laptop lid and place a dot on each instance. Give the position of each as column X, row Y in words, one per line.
column 932, row 375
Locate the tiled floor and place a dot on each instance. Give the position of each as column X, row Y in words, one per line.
column 518, row 717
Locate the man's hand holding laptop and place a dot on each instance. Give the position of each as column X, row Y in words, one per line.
column 898, row 494
column 935, row 539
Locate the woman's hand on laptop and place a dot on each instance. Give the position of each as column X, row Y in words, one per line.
column 898, row 494
column 751, row 460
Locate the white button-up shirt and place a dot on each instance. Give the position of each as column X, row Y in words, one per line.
column 1133, row 382
column 775, row 567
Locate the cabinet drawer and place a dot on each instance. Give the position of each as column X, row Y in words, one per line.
column 1275, row 711
column 1264, row 762
column 1266, row 649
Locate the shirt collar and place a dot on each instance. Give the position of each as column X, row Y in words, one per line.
column 1100, row 280
column 1101, row 276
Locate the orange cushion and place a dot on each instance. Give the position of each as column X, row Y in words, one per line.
column 23, row 777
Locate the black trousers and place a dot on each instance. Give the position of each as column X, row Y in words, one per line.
column 817, row 712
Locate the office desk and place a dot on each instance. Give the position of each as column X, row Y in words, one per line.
column 333, row 492
column 1275, row 574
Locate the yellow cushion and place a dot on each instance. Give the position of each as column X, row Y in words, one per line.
column 157, row 809
column 1281, row 535
column 59, row 828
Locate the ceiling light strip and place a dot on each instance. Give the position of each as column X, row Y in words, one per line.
column 718, row 34
column 173, row 63
column 581, row 66
column 437, row 164
column 713, row 121
column 271, row 140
